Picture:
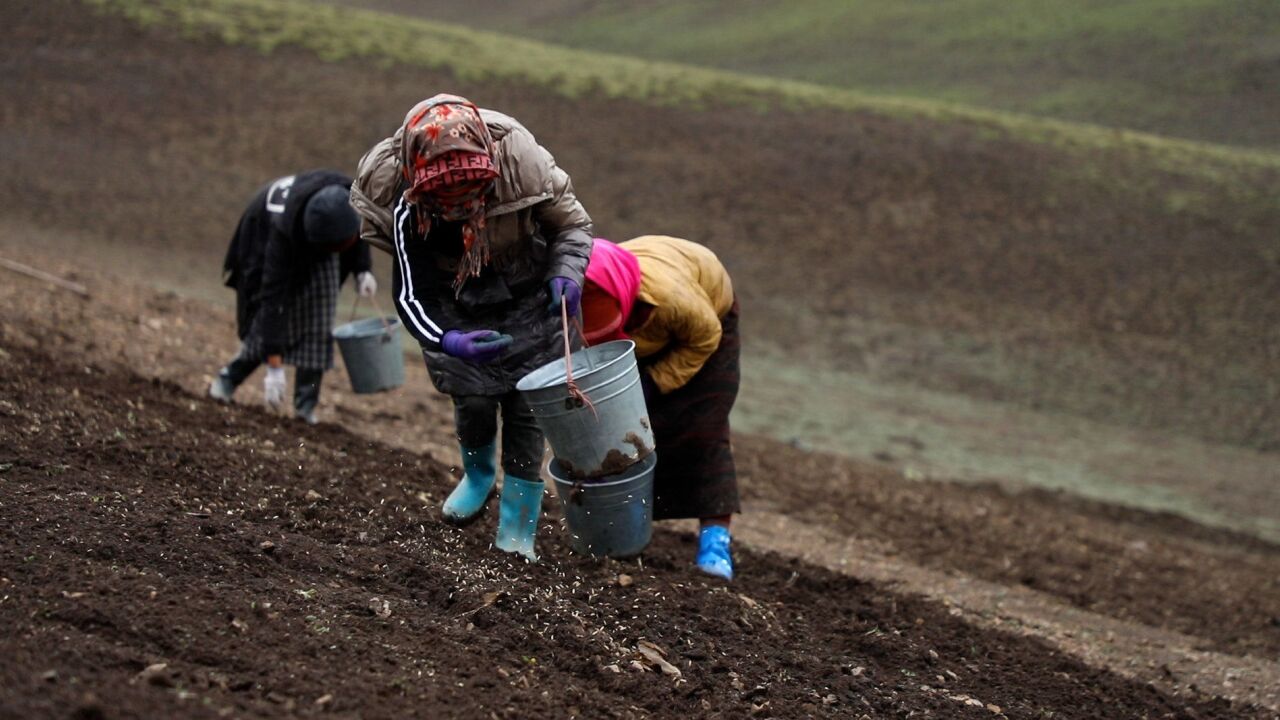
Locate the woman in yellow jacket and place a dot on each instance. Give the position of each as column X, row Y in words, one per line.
column 675, row 300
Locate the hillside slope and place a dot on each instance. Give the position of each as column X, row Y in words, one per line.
column 1204, row 69
column 1129, row 281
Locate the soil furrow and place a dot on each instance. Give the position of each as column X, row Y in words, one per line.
column 272, row 567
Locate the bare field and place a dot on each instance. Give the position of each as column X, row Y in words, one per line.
column 973, row 309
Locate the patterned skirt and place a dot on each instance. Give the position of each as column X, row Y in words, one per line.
column 311, row 312
column 695, row 476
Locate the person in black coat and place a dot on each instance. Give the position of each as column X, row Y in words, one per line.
column 295, row 245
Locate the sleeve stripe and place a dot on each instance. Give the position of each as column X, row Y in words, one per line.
column 406, row 300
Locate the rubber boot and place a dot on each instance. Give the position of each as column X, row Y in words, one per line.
column 518, row 514
column 713, row 552
column 476, row 486
column 306, row 394
column 221, row 388
column 230, row 377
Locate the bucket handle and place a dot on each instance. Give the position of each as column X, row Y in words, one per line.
column 576, row 398
column 386, row 326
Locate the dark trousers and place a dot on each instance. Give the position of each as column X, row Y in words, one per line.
column 476, row 417
column 306, row 383
column 696, row 476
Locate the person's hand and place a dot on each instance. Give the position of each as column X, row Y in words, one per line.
column 273, row 386
column 366, row 284
column 569, row 290
column 477, row 346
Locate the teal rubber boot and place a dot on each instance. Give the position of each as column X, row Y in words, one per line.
column 480, row 471
column 518, row 513
column 713, row 552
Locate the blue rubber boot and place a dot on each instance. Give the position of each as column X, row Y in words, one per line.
column 518, row 513
column 476, row 486
column 713, row 552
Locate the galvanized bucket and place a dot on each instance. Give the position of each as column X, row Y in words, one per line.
column 372, row 352
column 612, row 518
column 607, row 435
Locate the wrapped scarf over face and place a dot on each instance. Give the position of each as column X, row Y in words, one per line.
column 448, row 161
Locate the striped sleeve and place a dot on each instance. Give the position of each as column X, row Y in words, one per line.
column 412, row 287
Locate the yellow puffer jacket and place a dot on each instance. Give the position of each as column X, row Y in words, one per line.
column 690, row 292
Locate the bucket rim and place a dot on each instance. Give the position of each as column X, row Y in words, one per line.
column 633, row 472
column 628, row 350
column 356, row 329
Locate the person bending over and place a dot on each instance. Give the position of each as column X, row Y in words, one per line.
column 295, row 245
column 487, row 237
column 676, row 301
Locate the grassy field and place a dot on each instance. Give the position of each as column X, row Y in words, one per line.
column 337, row 33
column 1203, row 69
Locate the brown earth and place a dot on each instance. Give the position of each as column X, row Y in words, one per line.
column 1156, row 569
column 166, row 555
column 1221, row 589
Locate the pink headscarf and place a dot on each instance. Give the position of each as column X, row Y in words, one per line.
column 617, row 273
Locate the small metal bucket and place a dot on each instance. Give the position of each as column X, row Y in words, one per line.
column 372, row 352
column 613, row 518
column 611, row 434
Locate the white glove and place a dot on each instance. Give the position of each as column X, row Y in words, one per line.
column 273, row 386
column 366, row 285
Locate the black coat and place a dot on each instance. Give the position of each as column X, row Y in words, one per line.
column 269, row 257
column 510, row 295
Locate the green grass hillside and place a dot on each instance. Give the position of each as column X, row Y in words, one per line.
column 1203, row 69
column 336, row 33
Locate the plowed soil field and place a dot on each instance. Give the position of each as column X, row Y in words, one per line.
column 166, row 556
column 162, row 555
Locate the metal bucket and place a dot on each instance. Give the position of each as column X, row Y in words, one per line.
column 372, row 352
column 612, row 518
column 592, row 443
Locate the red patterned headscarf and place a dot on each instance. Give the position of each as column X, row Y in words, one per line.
column 448, row 160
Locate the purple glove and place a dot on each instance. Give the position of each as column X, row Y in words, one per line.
column 569, row 290
column 477, row 346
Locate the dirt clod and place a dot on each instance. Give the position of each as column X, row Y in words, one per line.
column 155, row 674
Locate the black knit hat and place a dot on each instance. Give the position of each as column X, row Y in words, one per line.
column 328, row 217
